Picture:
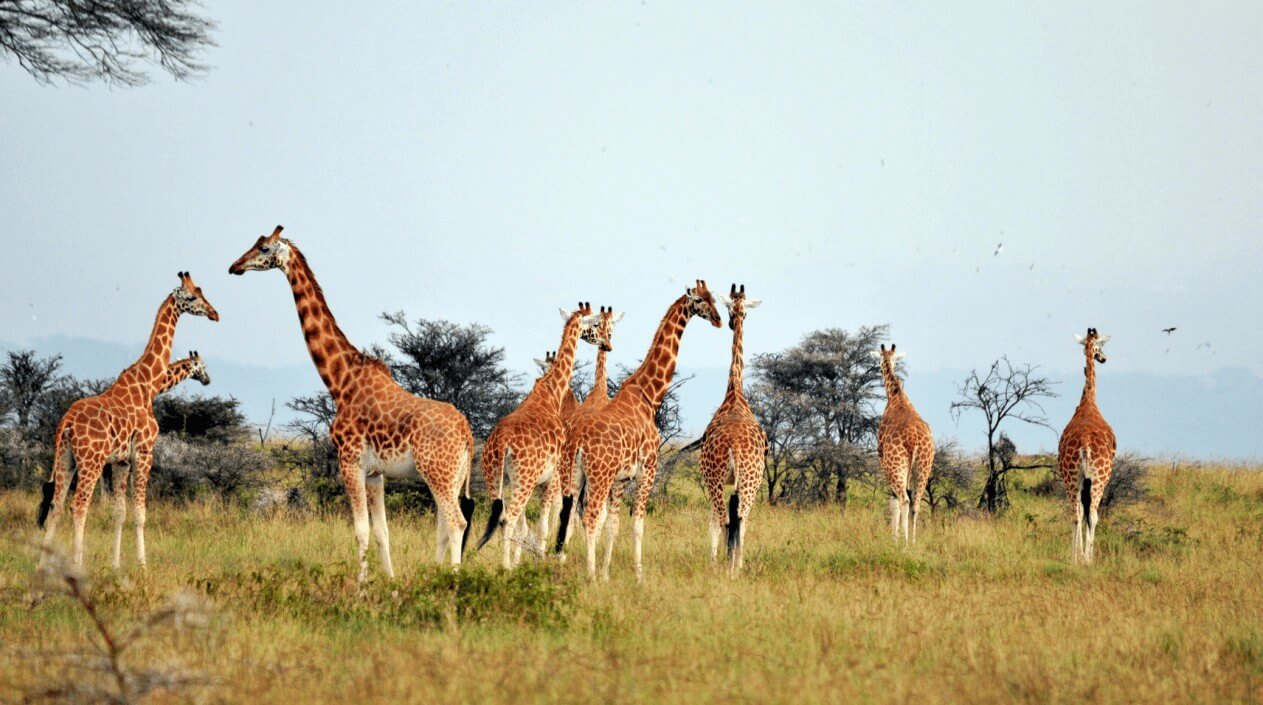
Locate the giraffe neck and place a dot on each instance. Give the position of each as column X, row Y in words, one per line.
column 330, row 350
column 894, row 388
column 654, row 375
column 556, row 381
column 149, row 369
column 600, row 382
column 736, row 370
column 175, row 373
column 1089, row 382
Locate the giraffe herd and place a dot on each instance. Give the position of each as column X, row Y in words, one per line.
column 582, row 455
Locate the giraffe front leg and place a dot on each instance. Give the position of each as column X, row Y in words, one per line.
column 611, row 531
column 375, row 490
column 140, row 492
column 119, row 493
column 593, row 519
column 643, row 488
column 356, row 494
column 89, row 470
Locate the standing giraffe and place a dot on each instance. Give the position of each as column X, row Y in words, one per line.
column 379, row 429
column 905, row 447
column 1085, row 455
column 191, row 367
column 620, row 443
column 598, row 398
column 733, row 445
column 118, row 426
column 525, row 447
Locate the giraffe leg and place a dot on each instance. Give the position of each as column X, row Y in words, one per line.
column 648, row 472
column 747, row 489
column 611, row 532
column 119, row 493
column 523, row 536
column 375, row 490
column 440, row 540
column 447, row 498
column 718, row 517
column 140, row 497
column 89, row 471
column 1076, row 550
column 63, row 462
column 593, row 521
column 356, row 494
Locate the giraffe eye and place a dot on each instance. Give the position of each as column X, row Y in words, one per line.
column 264, row 249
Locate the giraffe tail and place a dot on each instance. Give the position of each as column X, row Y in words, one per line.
column 61, row 462
column 497, row 505
column 1085, row 482
column 734, row 523
column 567, row 502
column 467, row 500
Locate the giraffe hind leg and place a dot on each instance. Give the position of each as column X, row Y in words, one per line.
column 734, row 525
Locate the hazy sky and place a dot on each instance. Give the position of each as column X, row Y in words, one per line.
column 489, row 162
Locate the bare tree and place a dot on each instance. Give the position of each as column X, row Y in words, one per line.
column 24, row 378
column 784, row 419
column 1005, row 392
column 953, row 475
column 80, row 41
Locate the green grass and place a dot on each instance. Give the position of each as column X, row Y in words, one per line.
column 828, row 610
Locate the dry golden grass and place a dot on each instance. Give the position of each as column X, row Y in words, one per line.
column 983, row 610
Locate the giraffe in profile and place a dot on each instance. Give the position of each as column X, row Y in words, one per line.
column 1085, row 454
column 906, row 449
column 524, row 449
column 620, row 443
column 117, row 427
column 379, row 428
column 733, row 445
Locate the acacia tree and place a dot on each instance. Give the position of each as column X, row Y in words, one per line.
column 454, row 363
column 24, row 379
column 78, row 41
column 817, row 402
column 1005, row 392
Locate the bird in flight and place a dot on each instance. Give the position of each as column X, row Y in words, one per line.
column 998, row 249
column 1169, row 331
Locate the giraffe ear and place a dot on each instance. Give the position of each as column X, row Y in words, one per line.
column 540, row 362
column 1079, row 339
column 899, row 356
column 565, row 315
column 723, row 299
column 753, row 303
column 1102, row 340
column 617, row 317
column 876, row 353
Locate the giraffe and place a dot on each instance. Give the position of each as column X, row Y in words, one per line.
column 620, row 443
column 118, row 426
column 1085, row 455
column 191, row 367
column 905, row 447
column 379, row 429
column 598, row 397
column 733, row 445
column 524, row 448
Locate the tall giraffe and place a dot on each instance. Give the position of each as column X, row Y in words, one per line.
column 118, row 426
column 598, row 397
column 620, row 442
column 525, row 447
column 1085, row 455
column 379, row 429
column 905, row 447
column 733, row 445
column 191, row 367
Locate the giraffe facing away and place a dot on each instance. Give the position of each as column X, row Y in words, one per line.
column 1085, row 455
column 191, row 367
column 379, row 429
column 524, row 449
column 619, row 443
column 118, row 427
column 733, row 445
column 905, row 448
column 598, row 397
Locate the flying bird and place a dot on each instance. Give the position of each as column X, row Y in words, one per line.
column 1169, row 331
column 998, row 249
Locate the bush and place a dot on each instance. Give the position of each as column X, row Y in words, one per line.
column 182, row 470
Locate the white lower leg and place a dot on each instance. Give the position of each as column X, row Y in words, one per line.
column 638, row 537
column 120, row 517
column 611, row 532
column 894, row 518
column 80, row 518
column 716, row 530
column 375, row 487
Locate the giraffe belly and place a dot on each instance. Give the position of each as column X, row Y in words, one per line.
column 398, row 466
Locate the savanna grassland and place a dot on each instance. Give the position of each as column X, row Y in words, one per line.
column 828, row 610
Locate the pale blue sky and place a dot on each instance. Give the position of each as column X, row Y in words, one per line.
column 489, row 162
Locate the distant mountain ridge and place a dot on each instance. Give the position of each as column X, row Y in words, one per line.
column 1213, row 416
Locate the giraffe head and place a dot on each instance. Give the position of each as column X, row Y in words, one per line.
column 1093, row 344
column 600, row 328
column 737, row 303
column 702, row 303
column 189, row 299
column 547, row 362
column 268, row 252
column 197, row 368
column 889, row 358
